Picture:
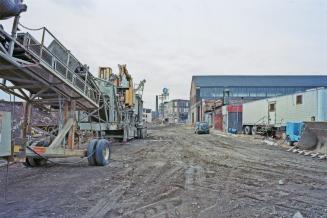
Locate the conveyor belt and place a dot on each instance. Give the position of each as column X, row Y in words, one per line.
column 42, row 72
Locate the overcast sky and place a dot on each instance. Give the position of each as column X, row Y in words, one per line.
column 168, row 41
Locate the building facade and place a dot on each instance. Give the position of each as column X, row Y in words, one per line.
column 177, row 110
column 147, row 115
column 174, row 111
column 163, row 110
column 241, row 89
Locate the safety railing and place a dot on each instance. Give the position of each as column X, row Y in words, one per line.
column 52, row 53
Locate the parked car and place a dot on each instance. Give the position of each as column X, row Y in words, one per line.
column 201, row 128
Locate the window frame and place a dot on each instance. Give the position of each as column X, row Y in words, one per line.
column 299, row 99
column 270, row 108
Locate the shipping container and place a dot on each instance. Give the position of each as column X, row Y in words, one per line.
column 273, row 113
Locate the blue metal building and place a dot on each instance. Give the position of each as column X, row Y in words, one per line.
column 244, row 88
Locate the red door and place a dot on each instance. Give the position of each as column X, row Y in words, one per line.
column 218, row 121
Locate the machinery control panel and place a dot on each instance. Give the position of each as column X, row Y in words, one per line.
column 5, row 134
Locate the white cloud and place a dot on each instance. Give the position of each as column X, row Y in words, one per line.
column 166, row 42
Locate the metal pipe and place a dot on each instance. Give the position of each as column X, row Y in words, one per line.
column 42, row 44
column 13, row 35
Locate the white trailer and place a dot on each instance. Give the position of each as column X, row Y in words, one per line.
column 269, row 115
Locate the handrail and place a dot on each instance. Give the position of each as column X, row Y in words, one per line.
column 87, row 89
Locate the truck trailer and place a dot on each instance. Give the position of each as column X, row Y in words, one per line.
column 267, row 116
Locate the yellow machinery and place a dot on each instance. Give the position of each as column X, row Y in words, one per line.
column 123, row 81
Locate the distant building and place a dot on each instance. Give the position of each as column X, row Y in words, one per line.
column 177, row 110
column 239, row 89
column 163, row 111
column 147, row 115
column 154, row 115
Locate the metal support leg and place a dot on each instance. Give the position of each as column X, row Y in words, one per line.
column 13, row 34
column 27, row 120
column 70, row 108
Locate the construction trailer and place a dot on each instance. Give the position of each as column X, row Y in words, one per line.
column 45, row 74
column 301, row 117
column 272, row 114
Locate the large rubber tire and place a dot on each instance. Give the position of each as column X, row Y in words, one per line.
column 91, row 152
column 35, row 162
column 247, row 130
column 103, row 152
column 145, row 133
column 30, row 162
column 142, row 133
column 254, row 130
column 138, row 133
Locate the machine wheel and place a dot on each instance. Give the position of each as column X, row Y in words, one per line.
column 247, row 130
column 254, row 130
column 91, row 152
column 143, row 133
column 102, row 152
column 139, row 133
column 30, row 162
column 35, row 162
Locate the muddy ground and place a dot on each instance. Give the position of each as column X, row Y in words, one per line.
column 174, row 173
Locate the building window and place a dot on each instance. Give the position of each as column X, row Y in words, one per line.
column 299, row 99
column 272, row 107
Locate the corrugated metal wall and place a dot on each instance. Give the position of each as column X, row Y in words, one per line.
column 235, row 121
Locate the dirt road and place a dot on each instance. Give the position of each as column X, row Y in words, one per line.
column 175, row 173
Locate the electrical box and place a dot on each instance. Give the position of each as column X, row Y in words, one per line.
column 5, row 134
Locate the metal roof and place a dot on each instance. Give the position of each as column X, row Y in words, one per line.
column 260, row 81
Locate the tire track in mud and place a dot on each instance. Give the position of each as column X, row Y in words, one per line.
column 264, row 169
column 176, row 173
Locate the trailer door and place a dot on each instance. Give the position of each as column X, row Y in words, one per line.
column 272, row 113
